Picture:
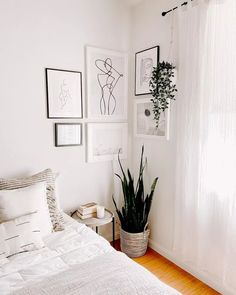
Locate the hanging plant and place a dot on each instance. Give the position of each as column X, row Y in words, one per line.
column 162, row 88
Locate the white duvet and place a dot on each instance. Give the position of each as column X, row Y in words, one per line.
column 76, row 261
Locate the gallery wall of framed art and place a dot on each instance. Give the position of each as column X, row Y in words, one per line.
column 106, row 104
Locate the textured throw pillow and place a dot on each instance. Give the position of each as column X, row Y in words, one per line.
column 49, row 178
column 3, row 246
column 19, row 235
column 22, row 201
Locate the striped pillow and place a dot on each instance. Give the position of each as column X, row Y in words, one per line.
column 49, row 178
column 19, row 235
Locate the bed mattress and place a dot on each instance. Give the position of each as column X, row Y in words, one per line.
column 76, row 261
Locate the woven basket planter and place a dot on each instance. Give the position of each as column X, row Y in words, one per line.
column 134, row 245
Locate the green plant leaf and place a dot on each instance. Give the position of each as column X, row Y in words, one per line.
column 134, row 214
column 161, row 88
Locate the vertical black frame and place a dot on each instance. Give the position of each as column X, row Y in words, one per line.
column 47, row 93
column 136, row 54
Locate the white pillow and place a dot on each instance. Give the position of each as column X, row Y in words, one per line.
column 22, row 201
column 43, row 176
column 19, row 235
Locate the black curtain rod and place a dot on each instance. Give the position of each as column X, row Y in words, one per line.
column 165, row 12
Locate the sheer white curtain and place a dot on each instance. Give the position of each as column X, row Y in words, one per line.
column 205, row 202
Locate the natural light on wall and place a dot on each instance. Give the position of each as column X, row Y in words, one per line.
column 205, row 216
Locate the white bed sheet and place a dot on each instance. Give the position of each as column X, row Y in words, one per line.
column 69, row 259
column 75, row 245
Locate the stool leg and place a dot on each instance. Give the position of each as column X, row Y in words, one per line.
column 113, row 231
column 97, row 229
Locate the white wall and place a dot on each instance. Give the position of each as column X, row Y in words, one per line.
column 149, row 28
column 51, row 33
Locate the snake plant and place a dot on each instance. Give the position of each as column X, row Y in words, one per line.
column 134, row 213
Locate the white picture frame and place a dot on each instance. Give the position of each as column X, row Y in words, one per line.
column 64, row 94
column 106, row 140
column 145, row 61
column 144, row 123
column 68, row 134
column 107, row 84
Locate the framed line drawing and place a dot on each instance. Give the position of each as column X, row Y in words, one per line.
column 107, row 84
column 105, row 140
column 144, row 123
column 64, row 94
column 68, row 134
column 145, row 60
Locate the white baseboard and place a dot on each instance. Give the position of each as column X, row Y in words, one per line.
column 202, row 277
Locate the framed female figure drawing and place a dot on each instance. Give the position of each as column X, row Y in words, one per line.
column 144, row 123
column 145, row 60
column 107, row 78
column 64, row 93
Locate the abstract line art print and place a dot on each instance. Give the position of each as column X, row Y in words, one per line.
column 145, row 60
column 106, row 84
column 64, row 93
column 108, row 77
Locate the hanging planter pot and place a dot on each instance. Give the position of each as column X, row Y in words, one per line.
column 163, row 88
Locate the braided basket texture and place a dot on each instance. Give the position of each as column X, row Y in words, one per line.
column 134, row 245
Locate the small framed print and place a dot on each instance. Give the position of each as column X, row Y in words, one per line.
column 145, row 61
column 68, row 134
column 145, row 124
column 64, row 94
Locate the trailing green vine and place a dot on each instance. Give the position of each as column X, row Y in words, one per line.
column 162, row 88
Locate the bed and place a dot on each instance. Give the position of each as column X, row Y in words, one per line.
column 76, row 261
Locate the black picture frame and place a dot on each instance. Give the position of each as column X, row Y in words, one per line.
column 49, row 111
column 56, row 128
column 155, row 49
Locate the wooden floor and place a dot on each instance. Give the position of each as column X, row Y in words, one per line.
column 171, row 274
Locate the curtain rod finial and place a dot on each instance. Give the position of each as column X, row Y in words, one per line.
column 163, row 13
